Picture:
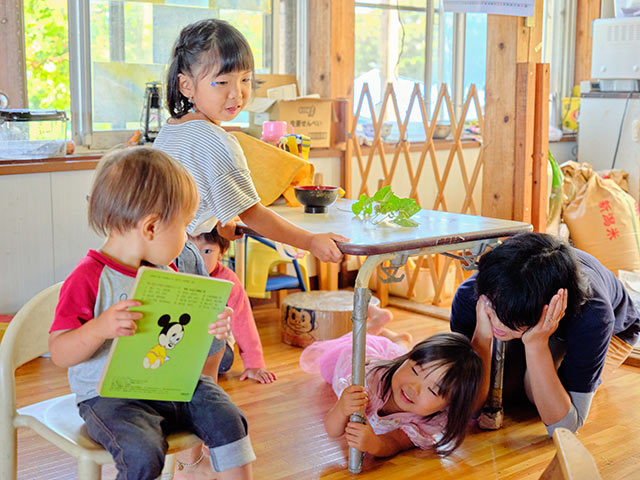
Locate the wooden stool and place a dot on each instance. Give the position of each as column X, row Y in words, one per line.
column 317, row 315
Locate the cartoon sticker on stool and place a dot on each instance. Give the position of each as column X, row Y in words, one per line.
column 297, row 326
column 170, row 336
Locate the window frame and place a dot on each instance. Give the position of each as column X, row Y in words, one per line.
column 558, row 50
column 80, row 80
column 458, row 49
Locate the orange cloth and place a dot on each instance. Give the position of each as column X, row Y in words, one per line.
column 274, row 171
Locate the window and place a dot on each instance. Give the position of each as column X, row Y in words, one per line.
column 395, row 40
column 116, row 46
column 558, row 50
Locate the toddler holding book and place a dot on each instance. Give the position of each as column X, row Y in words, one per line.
column 142, row 200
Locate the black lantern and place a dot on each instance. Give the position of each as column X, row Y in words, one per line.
column 152, row 113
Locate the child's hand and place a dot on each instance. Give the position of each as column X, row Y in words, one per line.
column 362, row 437
column 228, row 230
column 323, row 246
column 116, row 321
column 220, row 329
column 353, row 399
column 260, row 375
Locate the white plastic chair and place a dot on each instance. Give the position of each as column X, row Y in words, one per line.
column 57, row 419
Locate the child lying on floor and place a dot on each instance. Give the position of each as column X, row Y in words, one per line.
column 422, row 398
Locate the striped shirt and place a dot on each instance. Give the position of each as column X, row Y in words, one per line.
column 217, row 162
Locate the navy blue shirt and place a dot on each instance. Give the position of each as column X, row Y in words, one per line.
column 608, row 311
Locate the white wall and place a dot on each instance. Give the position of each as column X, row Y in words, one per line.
column 44, row 232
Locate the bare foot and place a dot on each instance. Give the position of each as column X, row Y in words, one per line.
column 378, row 318
column 402, row 339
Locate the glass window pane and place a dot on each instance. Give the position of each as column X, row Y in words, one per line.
column 475, row 59
column 389, row 47
column 131, row 44
column 47, row 54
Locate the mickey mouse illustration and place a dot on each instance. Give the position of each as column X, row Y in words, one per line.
column 170, row 336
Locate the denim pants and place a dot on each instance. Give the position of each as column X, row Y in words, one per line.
column 135, row 431
column 227, row 359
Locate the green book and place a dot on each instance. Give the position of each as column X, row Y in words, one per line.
column 164, row 358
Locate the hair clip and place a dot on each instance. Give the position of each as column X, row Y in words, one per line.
column 213, row 84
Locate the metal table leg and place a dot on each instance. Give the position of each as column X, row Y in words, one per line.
column 361, row 297
column 492, row 413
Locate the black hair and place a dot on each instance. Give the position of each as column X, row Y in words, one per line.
column 521, row 275
column 214, row 237
column 210, row 43
column 459, row 385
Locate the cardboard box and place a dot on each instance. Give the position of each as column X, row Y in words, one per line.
column 310, row 116
column 266, row 81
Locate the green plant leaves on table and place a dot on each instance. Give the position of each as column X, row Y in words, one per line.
column 385, row 205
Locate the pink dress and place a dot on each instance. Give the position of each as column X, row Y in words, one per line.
column 332, row 359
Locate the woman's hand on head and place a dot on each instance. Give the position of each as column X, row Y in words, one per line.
column 549, row 320
column 220, row 329
column 260, row 375
column 353, row 399
column 116, row 321
column 323, row 246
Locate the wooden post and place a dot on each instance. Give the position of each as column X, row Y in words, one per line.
column 586, row 12
column 331, row 48
column 540, row 200
column 525, row 103
column 13, row 76
column 331, row 61
column 510, row 40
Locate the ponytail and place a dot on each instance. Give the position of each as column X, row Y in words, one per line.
column 200, row 47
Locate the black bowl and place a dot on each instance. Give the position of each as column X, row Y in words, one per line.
column 316, row 198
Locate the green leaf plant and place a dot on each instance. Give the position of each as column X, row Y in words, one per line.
column 385, row 205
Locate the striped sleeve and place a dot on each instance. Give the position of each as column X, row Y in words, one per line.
column 217, row 163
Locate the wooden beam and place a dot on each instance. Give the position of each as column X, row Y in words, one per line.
column 586, row 12
column 510, row 40
column 13, row 77
column 523, row 175
column 499, row 120
column 540, row 200
column 331, row 47
column 331, row 64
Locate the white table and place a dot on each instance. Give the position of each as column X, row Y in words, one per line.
column 438, row 232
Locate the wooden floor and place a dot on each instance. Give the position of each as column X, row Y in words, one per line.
column 286, row 428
